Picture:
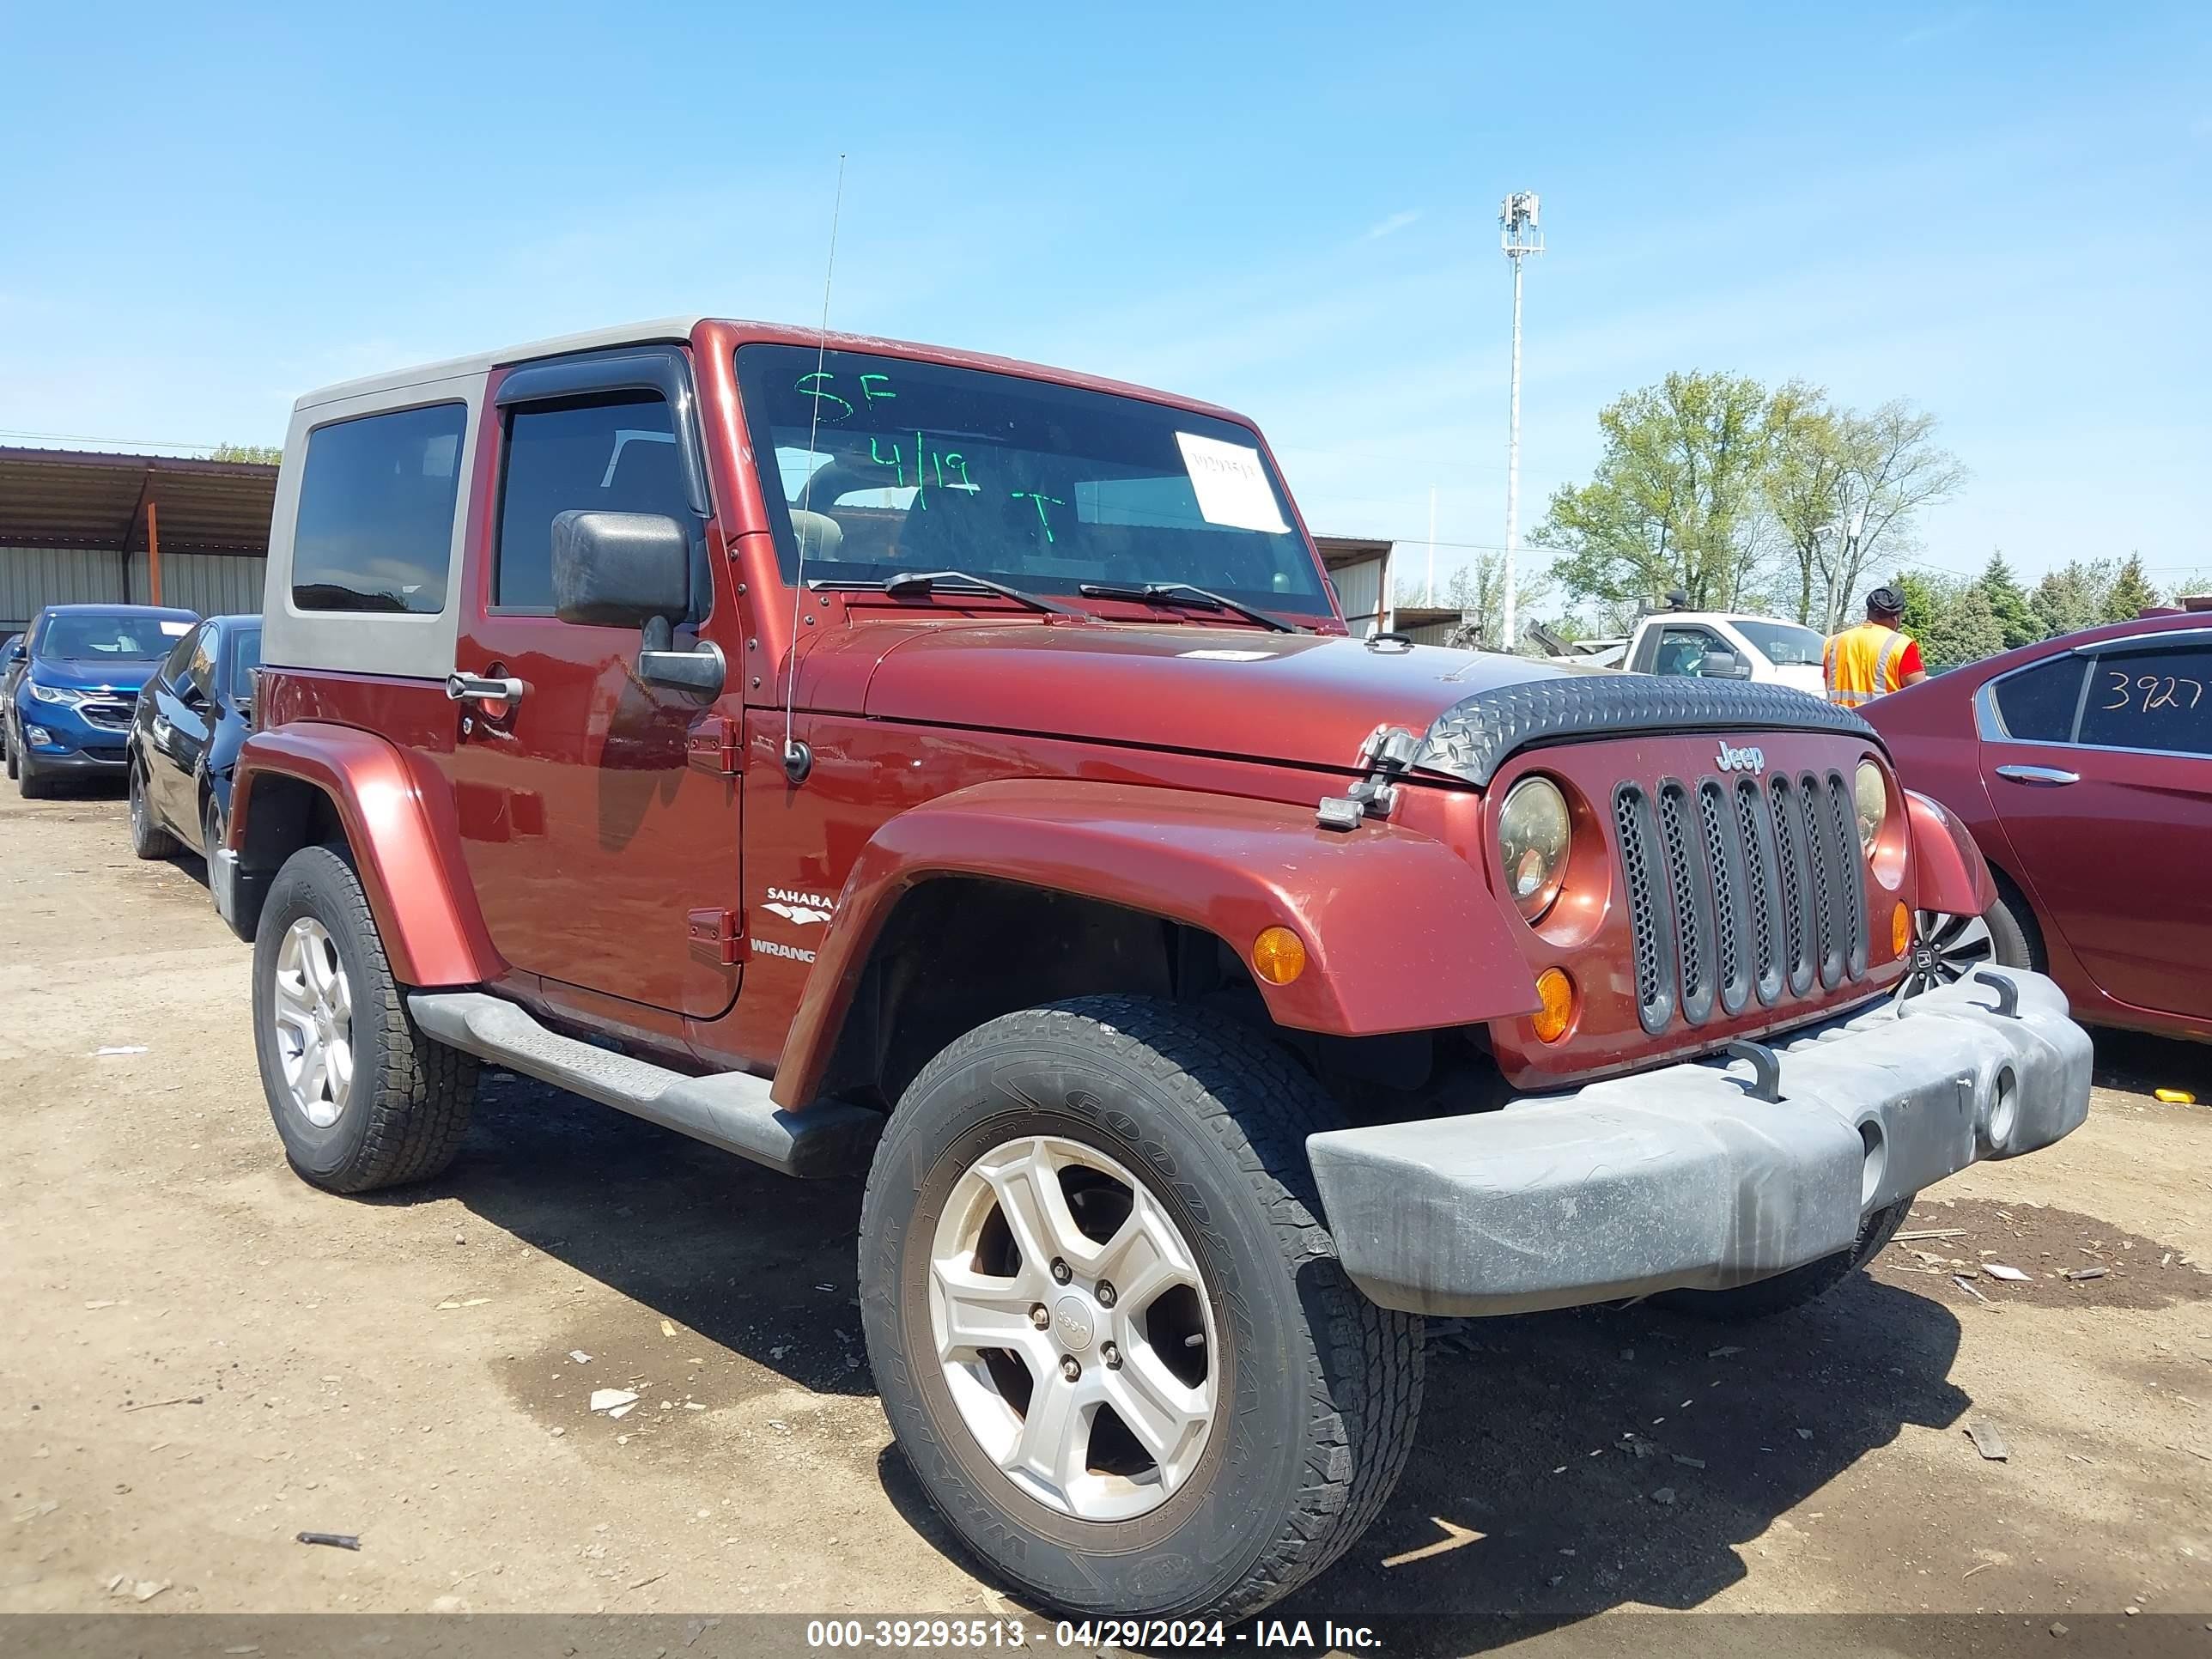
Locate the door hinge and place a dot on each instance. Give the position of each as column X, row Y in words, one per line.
column 717, row 936
column 711, row 745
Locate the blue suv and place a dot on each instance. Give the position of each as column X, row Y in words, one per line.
column 68, row 710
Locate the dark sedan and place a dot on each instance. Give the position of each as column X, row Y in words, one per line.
column 2083, row 767
column 191, row 719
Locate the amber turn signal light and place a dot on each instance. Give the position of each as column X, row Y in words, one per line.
column 1900, row 931
column 1279, row 956
column 1557, row 994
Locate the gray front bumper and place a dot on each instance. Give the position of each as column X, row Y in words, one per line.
column 1678, row 1178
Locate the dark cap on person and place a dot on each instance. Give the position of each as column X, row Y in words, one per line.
column 1885, row 602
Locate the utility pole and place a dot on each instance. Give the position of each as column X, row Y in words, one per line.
column 1519, row 235
column 1429, row 587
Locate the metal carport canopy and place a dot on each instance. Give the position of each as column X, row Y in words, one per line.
column 92, row 499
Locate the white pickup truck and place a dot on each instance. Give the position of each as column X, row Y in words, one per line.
column 1714, row 644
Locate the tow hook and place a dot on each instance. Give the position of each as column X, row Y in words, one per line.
column 2008, row 992
column 1387, row 752
column 1766, row 1080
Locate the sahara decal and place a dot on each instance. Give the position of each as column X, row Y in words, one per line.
column 804, row 909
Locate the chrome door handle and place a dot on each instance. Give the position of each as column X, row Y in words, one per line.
column 2047, row 777
column 475, row 687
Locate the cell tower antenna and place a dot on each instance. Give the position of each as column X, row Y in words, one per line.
column 1520, row 233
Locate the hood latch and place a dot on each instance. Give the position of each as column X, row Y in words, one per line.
column 1387, row 752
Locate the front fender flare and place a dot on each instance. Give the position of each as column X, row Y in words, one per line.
column 1952, row 878
column 1402, row 934
column 426, row 911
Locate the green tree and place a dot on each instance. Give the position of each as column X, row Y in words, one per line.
column 1925, row 599
column 1964, row 627
column 2130, row 592
column 258, row 455
column 2008, row 601
column 1845, row 488
column 2073, row 597
column 1676, row 496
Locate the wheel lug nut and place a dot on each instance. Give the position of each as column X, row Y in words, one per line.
column 1105, row 1293
column 1112, row 1356
column 1069, row 1368
column 1062, row 1272
column 1039, row 1318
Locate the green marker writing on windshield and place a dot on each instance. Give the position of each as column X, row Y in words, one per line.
column 1037, row 498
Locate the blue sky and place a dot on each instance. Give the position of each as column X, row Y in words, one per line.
column 1998, row 211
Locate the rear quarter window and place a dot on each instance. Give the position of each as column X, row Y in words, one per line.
column 2037, row 704
column 374, row 529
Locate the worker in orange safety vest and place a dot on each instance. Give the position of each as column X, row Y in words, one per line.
column 1876, row 657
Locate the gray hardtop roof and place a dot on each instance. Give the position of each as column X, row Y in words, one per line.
column 660, row 329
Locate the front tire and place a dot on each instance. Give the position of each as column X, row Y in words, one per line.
column 1765, row 1298
column 210, row 832
column 31, row 782
column 148, row 840
column 361, row 1098
column 1202, row 1437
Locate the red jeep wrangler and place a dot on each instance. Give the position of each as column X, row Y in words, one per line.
column 859, row 755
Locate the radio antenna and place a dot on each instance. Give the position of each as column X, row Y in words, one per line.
column 797, row 757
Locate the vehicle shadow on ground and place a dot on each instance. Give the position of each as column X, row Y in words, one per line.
column 1571, row 1464
column 1566, row 1463
column 732, row 1251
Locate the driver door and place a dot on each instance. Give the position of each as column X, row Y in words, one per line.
column 181, row 694
column 590, row 843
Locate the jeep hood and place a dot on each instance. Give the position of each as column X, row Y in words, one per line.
column 1302, row 699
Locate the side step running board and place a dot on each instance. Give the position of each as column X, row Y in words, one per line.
column 728, row 1109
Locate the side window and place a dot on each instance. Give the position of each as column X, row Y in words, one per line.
column 375, row 526
column 2037, row 705
column 179, row 662
column 1682, row 652
column 2153, row 699
column 199, row 666
column 615, row 455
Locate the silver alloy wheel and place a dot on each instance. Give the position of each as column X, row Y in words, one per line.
column 313, row 1011
column 141, row 817
column 1094, row 1391
column 1946, row 950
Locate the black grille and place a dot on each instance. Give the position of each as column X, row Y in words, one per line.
column 1739, row 892
column 1650, row 912
column 116, row 716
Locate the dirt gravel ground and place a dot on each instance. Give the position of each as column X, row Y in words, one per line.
column 205, row 1357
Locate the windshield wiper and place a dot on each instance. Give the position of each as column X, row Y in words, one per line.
column 927, row 581
column 1183, row 593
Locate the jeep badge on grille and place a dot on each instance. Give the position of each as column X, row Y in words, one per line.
column 1742, row 760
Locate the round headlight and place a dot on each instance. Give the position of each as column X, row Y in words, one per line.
column 1533, row 831
column 1872, row 795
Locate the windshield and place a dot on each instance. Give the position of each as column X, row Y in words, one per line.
column 240, row 659
column 893, row 465
column 1784, row 644
column 109, row 638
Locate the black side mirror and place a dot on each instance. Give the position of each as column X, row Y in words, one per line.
column 1724, row 665
column 620, row 569
column 633, row 570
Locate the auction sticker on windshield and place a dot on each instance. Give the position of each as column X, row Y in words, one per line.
column 1232, row 485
